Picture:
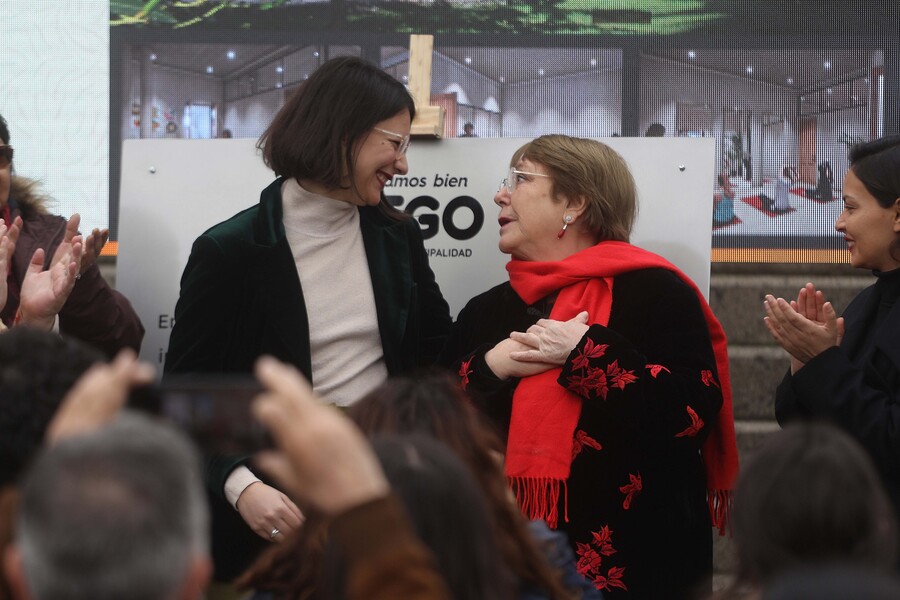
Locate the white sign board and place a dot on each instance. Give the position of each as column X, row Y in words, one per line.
column 174, row 190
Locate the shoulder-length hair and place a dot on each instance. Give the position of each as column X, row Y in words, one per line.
column 314, row 133
column 587, row 168
column 432, row 403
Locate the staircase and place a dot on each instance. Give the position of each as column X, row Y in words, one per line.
column 757, row 362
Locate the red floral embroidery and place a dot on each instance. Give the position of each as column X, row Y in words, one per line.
column 708, row 378
column 695, row 426
column 590, row 351
column 603, row 539
column 590, row 561
column 613, row 579
column 464, row 372
column 619, row 377
column 581, row 440
column 594, row 381
column 631, row 489
column 655, row 370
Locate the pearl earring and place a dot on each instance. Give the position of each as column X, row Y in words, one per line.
column 566, row 220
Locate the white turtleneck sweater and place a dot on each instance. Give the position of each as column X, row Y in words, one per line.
column 344, row 340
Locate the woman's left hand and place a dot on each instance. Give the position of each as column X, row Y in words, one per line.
column 551, row 341
column 92, row 244
column 802, row 337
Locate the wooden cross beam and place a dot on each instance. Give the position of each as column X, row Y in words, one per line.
column 429, row 121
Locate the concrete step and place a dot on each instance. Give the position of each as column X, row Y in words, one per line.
column 737, row 299
column 755, row 373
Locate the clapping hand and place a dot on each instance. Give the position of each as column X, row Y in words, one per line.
column 92, row 243
column 804, row 328
column 44, row 293
column 9, row 235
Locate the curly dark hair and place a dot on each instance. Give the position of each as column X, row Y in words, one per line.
column 37, row 369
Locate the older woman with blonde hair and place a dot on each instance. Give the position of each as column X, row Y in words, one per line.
column 604, row 368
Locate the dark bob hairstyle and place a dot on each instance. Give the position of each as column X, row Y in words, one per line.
column 313, row 134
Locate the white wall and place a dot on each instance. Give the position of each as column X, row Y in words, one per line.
column 170, row 90
column 586, row 104
column 665, row 82
column 54, row 95
column 249, row 117
column 829, row 128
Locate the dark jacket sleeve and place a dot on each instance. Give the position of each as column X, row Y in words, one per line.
column 434, row 312
column 787, row 404
column 384, row 560
column 99, row 315
column 203, row 314
column 656, row 353
column 832, row 387
column 486, row 320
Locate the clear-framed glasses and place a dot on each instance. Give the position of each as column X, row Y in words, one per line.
column 6, row 155
column 403, row 140
column 512, row 178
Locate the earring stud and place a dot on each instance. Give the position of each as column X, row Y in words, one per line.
column 566, row 220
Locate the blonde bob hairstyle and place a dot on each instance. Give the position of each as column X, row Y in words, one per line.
column 592, row 170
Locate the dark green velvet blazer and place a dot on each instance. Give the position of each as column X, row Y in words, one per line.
column 241, row 298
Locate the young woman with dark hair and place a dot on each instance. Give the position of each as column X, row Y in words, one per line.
column 810, row 497
column 322, row 274
column 846, row 369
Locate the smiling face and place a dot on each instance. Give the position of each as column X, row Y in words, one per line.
column 376, row 159
column 530, row 217
column 869, row 229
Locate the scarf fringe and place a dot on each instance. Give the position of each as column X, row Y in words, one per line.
column 721, row 503
column 538, row 498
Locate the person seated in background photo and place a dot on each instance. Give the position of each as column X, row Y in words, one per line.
column 809, row 497
column 468, row 130
column 781, row 203
column 824, row 185
column 655, row 130
column 93, row 312
column 723, row 210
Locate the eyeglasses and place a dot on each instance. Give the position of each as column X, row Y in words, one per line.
column 6, row 155
column 403, row 146
column 512, row 179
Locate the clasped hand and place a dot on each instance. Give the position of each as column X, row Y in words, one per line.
column 545, row 345
column 804, row 328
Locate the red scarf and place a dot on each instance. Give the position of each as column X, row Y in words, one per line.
column 544, row 415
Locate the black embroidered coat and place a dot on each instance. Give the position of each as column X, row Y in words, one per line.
column 637, row 513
